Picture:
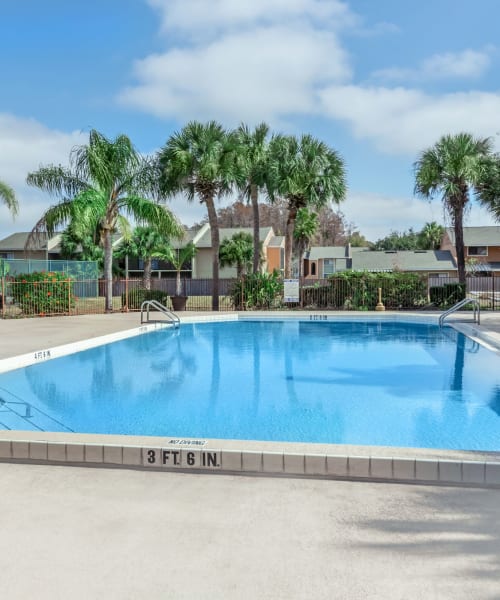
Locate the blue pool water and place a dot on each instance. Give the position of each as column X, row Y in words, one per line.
column 376, row 383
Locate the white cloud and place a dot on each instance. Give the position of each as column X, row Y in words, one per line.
column 406, row 121
column 376, row 215
column 24, row 145
column 468, row 64
column 195, row 18
column 265, row 73
column 249, row 60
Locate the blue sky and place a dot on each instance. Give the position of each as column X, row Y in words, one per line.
column 378, row 80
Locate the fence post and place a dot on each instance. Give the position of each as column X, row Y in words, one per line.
column 3, row 297
column 69, row 297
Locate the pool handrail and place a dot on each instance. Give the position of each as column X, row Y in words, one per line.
column 458, row 305
column 147, row 304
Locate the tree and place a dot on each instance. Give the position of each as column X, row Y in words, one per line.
column 178, row 258
column 453, row 169
column 253, row 154
column 306, row 173
column 80, row 245
column 238, row 250
column 200, row 160
column 143, row 244
column 105, row 179
column 430, row 236
column 406, row 240
column 8, row 197
column 305, row 228
column 489, row 187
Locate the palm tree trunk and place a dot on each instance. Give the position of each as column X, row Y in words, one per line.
column 108, row 270
column 146, row 277
column 290, row 226
column 254, row 197
column 458, row 216
column 178, row 287
column 214, row 233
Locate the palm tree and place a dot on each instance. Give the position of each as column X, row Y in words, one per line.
column 453, row 169
column 430, row 236
column 489, row 187
column 105, row 179
column 253, row 152
column 306, row 226
column 143, row 244
column 237, row 250
column 200, row 160
column 306, row 173
column 8, row 197
column 177, row 257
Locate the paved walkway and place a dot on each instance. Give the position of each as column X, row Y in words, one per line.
column 82, row 533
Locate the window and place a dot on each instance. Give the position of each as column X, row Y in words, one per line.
column 313, row 268
column 477, row 251
column 328, row 266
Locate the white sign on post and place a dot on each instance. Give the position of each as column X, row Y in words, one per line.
column 291, row 290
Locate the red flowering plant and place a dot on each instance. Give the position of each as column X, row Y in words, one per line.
column 43, row 293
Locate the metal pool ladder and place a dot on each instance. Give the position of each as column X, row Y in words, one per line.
column 455, row 307
column 147, row 304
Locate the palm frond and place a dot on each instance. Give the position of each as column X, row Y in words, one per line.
column 8, row 197
column 57, row 181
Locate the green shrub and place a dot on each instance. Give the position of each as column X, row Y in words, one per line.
column 358, row 290
column 43, row 293
column 447, row 295
column 137, row 296
column 257, row 291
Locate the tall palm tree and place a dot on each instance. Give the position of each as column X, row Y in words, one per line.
column 306, row 226
column 105, row 180
column 453, row 169
column 253, row 152
column 237, row 250
column 489, row 187
column 306, row 173
column 200, row 160
column 8, row 197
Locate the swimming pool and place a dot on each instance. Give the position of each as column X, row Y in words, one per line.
column 367, row 383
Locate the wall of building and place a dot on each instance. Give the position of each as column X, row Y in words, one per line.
column 273, row 259
column 493, row 255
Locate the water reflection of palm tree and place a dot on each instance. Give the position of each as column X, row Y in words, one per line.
column 215, row 379
column 175, row 364
column 456, row 384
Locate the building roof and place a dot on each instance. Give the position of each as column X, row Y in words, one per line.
column 17, row 242
column 277, row 241
column 204, row 241
column 478, row 236
column 403, row 260
column 322, row 252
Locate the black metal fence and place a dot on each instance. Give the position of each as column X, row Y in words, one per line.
column 44, row 298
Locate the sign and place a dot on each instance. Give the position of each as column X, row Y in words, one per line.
column 188, row 442
column 291, row 290
column 181, row 459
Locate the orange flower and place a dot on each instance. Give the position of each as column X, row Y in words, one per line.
column 49, row 293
